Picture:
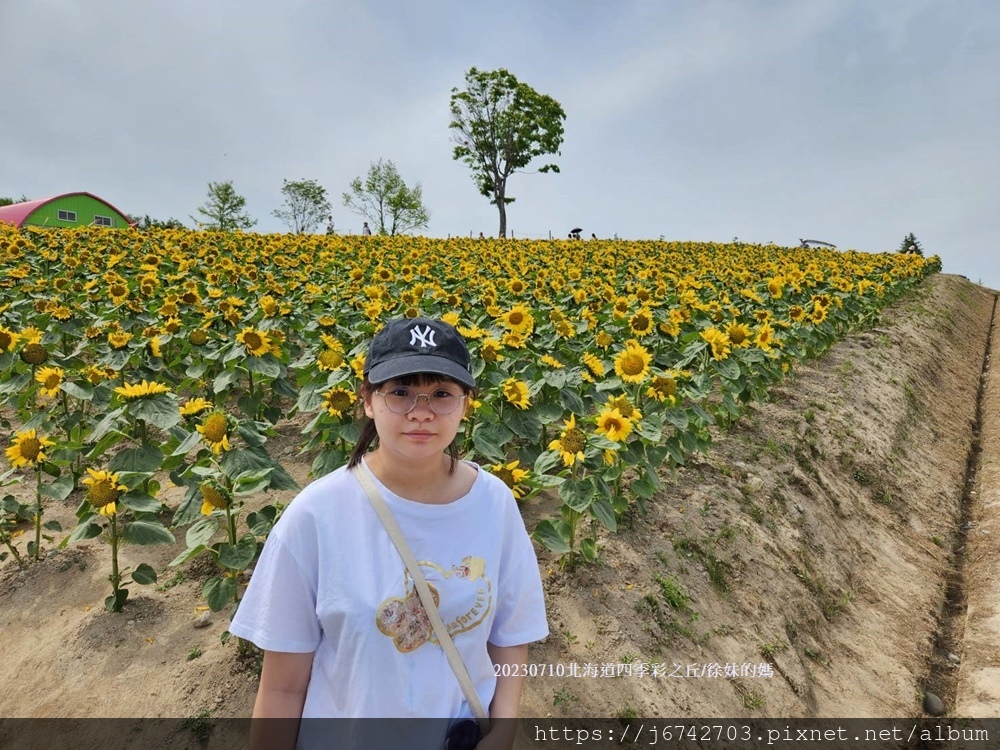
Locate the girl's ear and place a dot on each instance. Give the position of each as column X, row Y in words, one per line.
column 367, row 397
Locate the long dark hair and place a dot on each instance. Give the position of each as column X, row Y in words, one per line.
column 369, row 435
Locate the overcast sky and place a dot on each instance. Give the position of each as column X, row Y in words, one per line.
column 852, row 122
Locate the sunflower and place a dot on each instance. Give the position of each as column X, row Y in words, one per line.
column 519, row 319
column 818, row 314
column 50, row 378
column 104, row 491
column 7, row 339
column 31, row 335
column 214, row 496
column 642, row 322
column 215, row 429
column 632, row 363
column 94, row 374
column 765, row 338
column 28, row 449
column 516, row 391
column 326, row 321
column 451, row 318
column 153, row 347
column 195, row 406
column 796, row 313
column 719, row 342
column 776, row 286
column 269, row 305
column 133, row 391
column 739, row 335
column 594, row 364
column 512, row 476
column 119, row 339
column 490, row 349
column 338, row 400
column 551, row 362
column 198, row 337
column 570, row 443
column 257, row 343
column 515, row 339
column 663, row 388
column 613, row 425
column 625, row 408
column 358, row 365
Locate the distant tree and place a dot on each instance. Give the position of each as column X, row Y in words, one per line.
column 305, row 207
column 385, row 200
column 223, row 211
column 910, row 245
column 12, row 201
column 500, row 125
column 146, row 222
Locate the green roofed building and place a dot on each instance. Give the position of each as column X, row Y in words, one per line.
column 67, row 210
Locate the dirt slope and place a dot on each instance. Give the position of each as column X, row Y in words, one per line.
column 811, row 549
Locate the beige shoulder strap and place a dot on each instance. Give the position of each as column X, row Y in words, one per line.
column 396, row 534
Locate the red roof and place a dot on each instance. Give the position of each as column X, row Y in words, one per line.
column 16, row 213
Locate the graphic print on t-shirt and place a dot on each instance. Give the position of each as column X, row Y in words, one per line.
column 463, row 595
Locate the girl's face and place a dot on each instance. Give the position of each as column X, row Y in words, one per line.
column 416, row 430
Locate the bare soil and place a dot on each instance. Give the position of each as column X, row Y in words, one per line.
column 814, row 551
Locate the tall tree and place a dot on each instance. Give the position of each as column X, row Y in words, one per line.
column 500, row 125
column 12, row 201
column 223, row 211
column 910, row 245
column 385, row 200
column 305, row 206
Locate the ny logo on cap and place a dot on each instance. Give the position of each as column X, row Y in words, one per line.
column 424, row 338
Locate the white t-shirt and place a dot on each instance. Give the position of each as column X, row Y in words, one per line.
column 330, row 581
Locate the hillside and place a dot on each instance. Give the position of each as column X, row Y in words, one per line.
column 822, row 541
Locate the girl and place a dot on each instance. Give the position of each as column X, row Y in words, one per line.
column 332, row 604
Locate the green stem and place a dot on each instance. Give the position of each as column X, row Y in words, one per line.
column 12, row 548
column 38, row 513
column 115, row 575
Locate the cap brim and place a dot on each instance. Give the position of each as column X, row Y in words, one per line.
column 414, row 364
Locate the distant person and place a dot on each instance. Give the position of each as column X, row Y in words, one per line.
column 329, row 226
column 593, row 236
column 481, row 236
column 366, row 231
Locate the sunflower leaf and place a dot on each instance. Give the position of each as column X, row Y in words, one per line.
column 145, row 458
column 224, row 379
column 193, row 439
column 577, row 495
column 144, row 574
column 219, row 592
column 86, row 530
column 238, row 556
column 140, row 502
column 546, row 460
column 60, row 489
column 605, row 513
column 250, row 482
column 160, row 410
column 266, row 365
column 83, row 391
column 553, row 536
column 147, row 532
column 524, row 423
column 572, row 401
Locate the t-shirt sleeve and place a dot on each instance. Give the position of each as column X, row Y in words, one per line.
column 278, row 610
column 520, row 616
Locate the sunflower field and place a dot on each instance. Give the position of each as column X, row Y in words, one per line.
column 129, row 359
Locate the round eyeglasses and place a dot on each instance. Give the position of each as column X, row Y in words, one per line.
column 403, row 399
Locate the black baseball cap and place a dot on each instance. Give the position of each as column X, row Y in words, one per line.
column 409, row 346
